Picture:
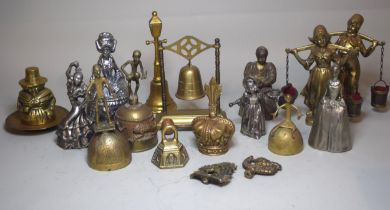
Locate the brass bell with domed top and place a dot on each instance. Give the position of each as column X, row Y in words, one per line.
column 190, row 83
column 109, row 149
column 136, row 121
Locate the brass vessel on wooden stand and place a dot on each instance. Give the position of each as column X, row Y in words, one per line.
column 170, row 153
column 214, row 132
column 189, row 84
column 36, row 105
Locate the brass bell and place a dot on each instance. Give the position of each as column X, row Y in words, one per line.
column 109, row 150
column 190, row 83
column 170, row 153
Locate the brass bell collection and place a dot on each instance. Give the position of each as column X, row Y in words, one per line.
column 107, row 117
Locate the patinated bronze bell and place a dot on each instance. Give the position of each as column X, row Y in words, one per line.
column 170, row 153
column 214, row 132
column 36, row 105
column 135, row 120
column 190, row 83
column 109, row 150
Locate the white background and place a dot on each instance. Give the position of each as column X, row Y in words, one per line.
column 36, row 174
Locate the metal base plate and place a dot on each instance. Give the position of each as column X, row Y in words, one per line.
column 14, row 124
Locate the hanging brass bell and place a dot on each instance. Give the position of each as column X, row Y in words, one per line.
column 170, row 153
column 190, row 83
column 108, row 151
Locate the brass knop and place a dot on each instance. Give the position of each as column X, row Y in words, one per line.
column 170, row 153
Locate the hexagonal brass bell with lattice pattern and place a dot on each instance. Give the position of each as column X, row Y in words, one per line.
column 170, row 153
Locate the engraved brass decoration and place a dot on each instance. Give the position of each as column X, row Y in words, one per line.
column 188, row 47
column 170, row 153
column 155, row 99
column 285, row 138
column 135, row 120
column 109, row 149
column 36, row 105
column 214, row 132
column 260, row 166
column 219, row 174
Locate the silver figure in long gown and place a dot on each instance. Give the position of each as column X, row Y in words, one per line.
column 253, row 119
column 106, row 44
column 330, row 131
column 76, row 130
column 264, row 73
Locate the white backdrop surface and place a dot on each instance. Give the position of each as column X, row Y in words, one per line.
column 37, row 174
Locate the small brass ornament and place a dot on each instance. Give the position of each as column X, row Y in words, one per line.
column 108, row 150
column 135, row 120
column 285, row 138
column 260, row 166
column 219, row 174
column 36, row 105
column 170, row 153
column 214, row 132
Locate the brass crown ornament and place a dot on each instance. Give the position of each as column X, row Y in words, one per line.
column 36, row 105
column 170, row 153
column 214, row 132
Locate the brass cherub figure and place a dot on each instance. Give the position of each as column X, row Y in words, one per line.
column 99, row 83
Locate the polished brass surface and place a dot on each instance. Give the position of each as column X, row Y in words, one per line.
column 322, row 54
column 14, row 124
column 36, row 106
column 190, row 83
column 98, row 84
column 285, row 138
column 260, row 166
column 170, row 153
column 219, row 174
column 36, row 103
column 353, row 39
column 109, row 151
column 187, row 47
column 155, row 99
column 214, row 132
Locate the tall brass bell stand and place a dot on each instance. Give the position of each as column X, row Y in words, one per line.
column 189, row 84
column 379, row 92
column 155, row 99
column 170, row 153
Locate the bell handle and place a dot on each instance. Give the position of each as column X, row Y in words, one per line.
column 381, row 80
column 167, row 129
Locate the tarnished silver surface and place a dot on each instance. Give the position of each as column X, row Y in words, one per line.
column 76, row 130
column 106, row 44
column 265, row 75
column 252, row 111
column 330, row 131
